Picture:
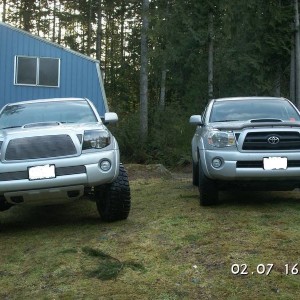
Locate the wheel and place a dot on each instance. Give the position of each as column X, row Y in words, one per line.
column 3, row 204
column 113, row 201
column 196, row 174
column 208, row 190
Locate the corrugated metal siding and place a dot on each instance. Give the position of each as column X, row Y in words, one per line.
column 78, row 75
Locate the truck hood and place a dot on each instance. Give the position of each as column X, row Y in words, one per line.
column 239, row 125
column 51, row 129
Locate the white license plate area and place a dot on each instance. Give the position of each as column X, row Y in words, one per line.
column 41, row 172
column 275, row 163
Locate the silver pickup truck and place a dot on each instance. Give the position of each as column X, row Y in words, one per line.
column 246, row 143
column 57, row 150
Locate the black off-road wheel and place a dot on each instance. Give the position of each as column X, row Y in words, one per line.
column 114, row 200
column 208, row 190
column 4, row 205
column 195, row 174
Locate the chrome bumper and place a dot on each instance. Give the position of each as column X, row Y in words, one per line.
column 92, row 176
column 230, row 171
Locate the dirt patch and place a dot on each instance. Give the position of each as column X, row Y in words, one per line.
column 138, row 171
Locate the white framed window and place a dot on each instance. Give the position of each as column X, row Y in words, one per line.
column 37, row 71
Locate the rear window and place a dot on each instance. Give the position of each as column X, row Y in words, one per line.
column 245, row 110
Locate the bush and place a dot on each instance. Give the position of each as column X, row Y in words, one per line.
column 169, row 140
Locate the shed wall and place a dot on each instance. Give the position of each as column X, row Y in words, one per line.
column 78, row 74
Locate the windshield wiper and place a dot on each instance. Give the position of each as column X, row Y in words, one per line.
column 10, row 127
column 226, row 121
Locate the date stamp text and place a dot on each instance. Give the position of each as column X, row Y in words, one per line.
column 262, row 269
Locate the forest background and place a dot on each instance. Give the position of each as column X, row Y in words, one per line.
column 163, row 60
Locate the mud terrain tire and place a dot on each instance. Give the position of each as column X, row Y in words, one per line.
column 208, row 189
column 114, row 200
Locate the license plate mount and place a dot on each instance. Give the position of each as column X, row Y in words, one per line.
column 275, row 163
column 41, row 172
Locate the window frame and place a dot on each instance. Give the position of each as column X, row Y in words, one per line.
column 37, row 71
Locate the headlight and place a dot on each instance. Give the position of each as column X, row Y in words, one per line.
column 95, row 139
column 220, row 139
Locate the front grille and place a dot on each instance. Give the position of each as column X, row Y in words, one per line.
column 288, row 140
column 13, row 176
column 60, row 171
column 40, row 147
column 248, row 164
column 70, row 170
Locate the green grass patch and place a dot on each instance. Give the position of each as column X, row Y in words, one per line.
column 169, row 248
column 108, row 267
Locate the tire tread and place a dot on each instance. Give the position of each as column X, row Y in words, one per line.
column 114, row 202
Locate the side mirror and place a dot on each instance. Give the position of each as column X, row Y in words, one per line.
column 110, row 118
column 196, row 120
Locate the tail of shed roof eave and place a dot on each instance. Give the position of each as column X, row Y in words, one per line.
column 49, row 42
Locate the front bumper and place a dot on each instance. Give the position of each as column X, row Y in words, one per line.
column 91, row 175
column 232, row 170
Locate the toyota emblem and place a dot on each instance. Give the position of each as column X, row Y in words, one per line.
column 273, row 140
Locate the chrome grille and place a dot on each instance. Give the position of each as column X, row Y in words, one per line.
column 40, row 147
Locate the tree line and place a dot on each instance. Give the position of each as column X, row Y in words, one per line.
column 164, row 59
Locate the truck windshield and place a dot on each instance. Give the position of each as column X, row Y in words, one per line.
column 260, row 109
column 17, row 115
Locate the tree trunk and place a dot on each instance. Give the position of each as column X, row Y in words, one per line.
column 111, row 59
column 106, row 54
column 297, row 55
column 99, row 31
column 38, row 21
column 4, row 11
column 59, row 25
column 210, row 56
column 123, row 10
column 277, row 84
column 27, row 12
column 162, row 102
column 89, row 33
column 292, row 74
column 144, row 72
column 54, row 21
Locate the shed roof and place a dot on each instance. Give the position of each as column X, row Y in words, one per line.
column 48, row 42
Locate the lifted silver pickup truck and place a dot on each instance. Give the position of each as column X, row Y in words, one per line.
column 57, row 150
column 246, row 143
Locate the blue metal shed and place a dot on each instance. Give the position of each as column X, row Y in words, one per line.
column 34, row 68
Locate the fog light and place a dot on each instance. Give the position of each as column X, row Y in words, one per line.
column 216, row 163
column 105, row 165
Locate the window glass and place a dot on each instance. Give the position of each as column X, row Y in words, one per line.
column 26, row 70
column 48, row 71
column 241, row 110
column 37, row 71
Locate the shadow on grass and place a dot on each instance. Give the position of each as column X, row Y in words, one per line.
column 260, row 198
column 254, row 198
column 31, row 217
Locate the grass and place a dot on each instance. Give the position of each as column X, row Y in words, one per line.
column 169, row 248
